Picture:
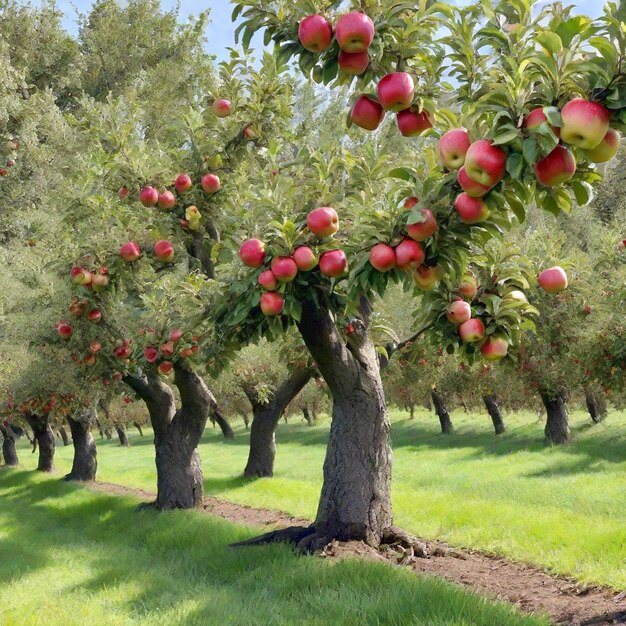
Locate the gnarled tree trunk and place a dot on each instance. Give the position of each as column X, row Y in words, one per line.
column 442, row 413
column 121, row 434
column 222, row 422
column 265, row 419
column 8, row 446
column 85, row 464
column 491, row 404
column 557, row 423
column 309, row 418
column 64, row 438
column 43, row 435
column 137, row 425
column 596, row 408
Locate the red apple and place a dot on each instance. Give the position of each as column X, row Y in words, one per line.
column 151, row 354
column 409, row 254
column 315, row 33
column 494, row 348
column 163, row 250
column 90, row 360
column 175, row 335
column 453, row 147
column 305, row 258
column 555, row 169
column 64, row 330
column 606, row 149
column 553, row 280
column 221, row 107
column 396, row 91
column 472, row 330
column 95, row 347
column 284, row 268
column 354, row 32
column 78, row 275
column 149, row 196
column 333, row 263
column 485, row 163
column 249, row 133
column 4, row 172
column 99, row 282
column 130, row 251
column 458, row 312
column 272, row 303
column 471, row 210
column 412, row 124
column 167, row 349
column 210, row 183
column 183, row 183
column 323, row 222
column 267, row 280
column 585, row 123
column 427, row 278
column 95, row 315
column 409, row 203
column 10, row 163
column 117, row 376
column 167, row 200
column 123, row 193
column 468, row 287
column 382, row 257
column 422, row 230
column 353, row 63
column 469, row 186
column 537, row 117
column 165, row 367
column 367, row 113
column 252, row 252
column 76, row 309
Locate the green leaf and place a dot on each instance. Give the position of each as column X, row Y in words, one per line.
column 550, row 41
column 507, row 136
column 570, row 28
column 403, row 173
column 582, row 191
column 515, row 165
column 530, row 150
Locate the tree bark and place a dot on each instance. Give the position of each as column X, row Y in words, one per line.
column 597, row 410
column 43, row 435
column 64, row 437
column 442, row 413
column 222, row 422
column 491, row 404
column 107, row 433
column 8, row 446
column 85, row 464
column 100, row 429
column 411, row 411
column 121, row 433
column 308, row 416
column 137, row 425
column 557, row 423
column 265, row 420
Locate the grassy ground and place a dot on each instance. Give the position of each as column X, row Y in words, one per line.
column 561, row 508
column 72, row 557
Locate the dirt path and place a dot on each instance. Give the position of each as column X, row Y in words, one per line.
column 534, row 591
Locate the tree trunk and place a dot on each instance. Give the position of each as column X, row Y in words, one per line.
column 491, row 404
column 442, row 413
column 222, row 422
column 121, row 433
column 557, row 423
column 64, row 437
column 411, row 411
column 8, row 446
column 107, row 433
column 308, row 416
column 100, row 429
column 42, row 432
column 265, row 420
column 84, row 465
column 464, row 405
column 355, row 502
column 137, row 425
column 597, row 410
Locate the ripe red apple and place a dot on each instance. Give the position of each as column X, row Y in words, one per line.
column 284, row 268
column 555, row 169
column 427, row 278
column 468, row 287
column 163, row 250
column 79, row 276
column 90, row 360
column 537, row 117
column 252, row 252
column 305, row 258
column 471, row 210
column 353, row 63
column 249, row 133
column 123, row 193
column 494, row 348
column 485, row 163
column 272, row 303
column 412, row 124
column 469, row 186
column 585, row 123
column 333, row 263
column 553, row 280
column 4, row 172
column 149, row 196
column 409, row 254
column 210, row 183
column 130, row 251
column 95, row 315
column 382, row 257
column 472, row 330
column 315, row 33
column 95, row 347
column 167, row 349
column 458, row 312
column 267, row 280
column 175, row 335
column 323, row 222
column 117, row 376
column 10, row 163
column 606, row 149
column 453, row 147
column 183, row 183
column 64, row 330
column 165, row 367
column 354, row 32
column 99, row 282
column 221, row 107
column 409, row 203
column 396, row 91
column 167, row 200
column 151, row 354
column 76, row 309
column 420, row 231
column 367, row 113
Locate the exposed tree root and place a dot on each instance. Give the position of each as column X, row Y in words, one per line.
column 293, row 534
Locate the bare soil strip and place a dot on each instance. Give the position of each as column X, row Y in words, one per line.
column 534, row 591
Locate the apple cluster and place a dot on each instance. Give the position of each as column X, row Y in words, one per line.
column 9, row 149
column 163, row 350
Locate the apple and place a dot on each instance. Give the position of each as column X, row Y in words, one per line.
column 367, row 113
column 587, row 310
column 182, row 183
column 165, row 367
column 485, row 163
column 167, row 200
column 469, row 186
column 78, row 275
column 382, row 257
column 472, row 330
column 621, row 245
column 90, row 360
column 353, row 63
column 323, row 222
column 210, row 183
column 4, row 172
column 175, row 335
column 315, row 33
column 123, row 193
column 149, row 196
column 151, row 354
column 553, row 280
column 458, row 312
column 185, row 353
column 412, row 124
column 249, row 133
column 95, row 315
column 272, row 303
column 555, row 169
column 305, row 258
column 130, row 251
column 537, row 117
column 427, row 278
column 76, row 309
column 354, row 32
column 409, row 203
column 284, row 268
column 453, row 147
column 409, row 254
column 494, row 348
column 585, row 123
column 422, row 230
column 606, row 149
column 163, row 250
column 167, row 349
column 471, row 210
column 468, row 287
column 95, row 347
column 333, row 263
column 221, row 107
column 516, row 295
column 64, row 330
column 99, row 282
column 252, row 253
column 117, row 376
column 396, row 91
column 10, row 163
column 267, row 280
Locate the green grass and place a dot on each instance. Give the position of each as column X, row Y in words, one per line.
column 562, row 508
column 72, row 557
